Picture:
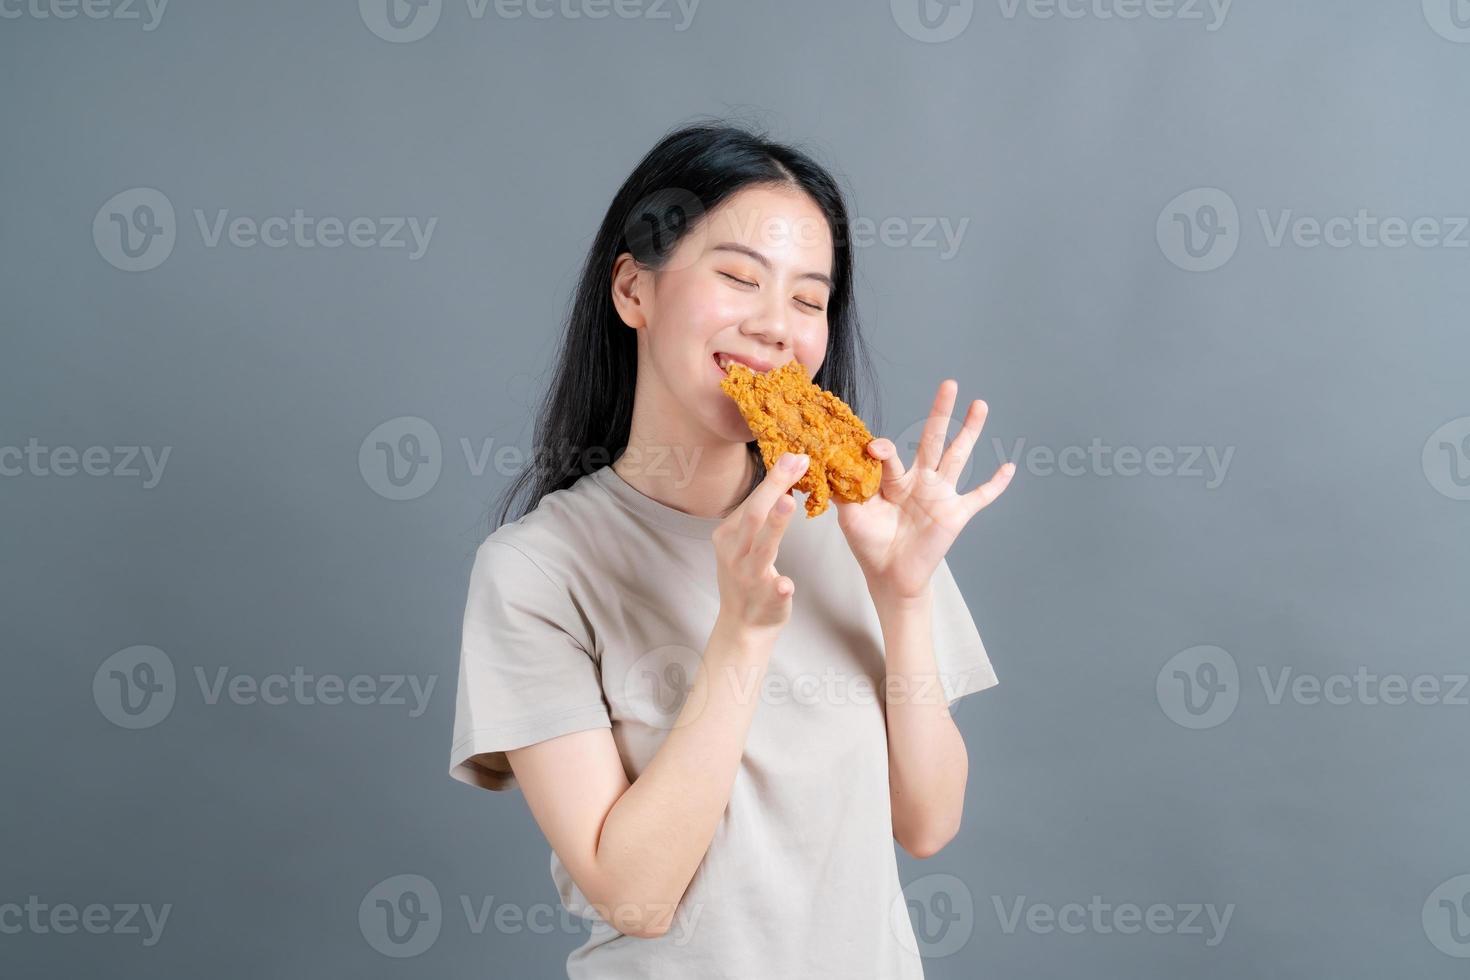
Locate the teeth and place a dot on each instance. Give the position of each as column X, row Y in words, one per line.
column 724, row 363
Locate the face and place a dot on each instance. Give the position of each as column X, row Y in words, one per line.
column 752, row 281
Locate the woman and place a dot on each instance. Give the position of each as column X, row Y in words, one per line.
column 721, row 755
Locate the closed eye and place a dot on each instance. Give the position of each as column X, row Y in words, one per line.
column 811, row 306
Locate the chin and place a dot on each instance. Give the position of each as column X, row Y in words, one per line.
column 732, row 426
column 738, row 435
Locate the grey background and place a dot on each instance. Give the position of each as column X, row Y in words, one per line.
column 265, row 547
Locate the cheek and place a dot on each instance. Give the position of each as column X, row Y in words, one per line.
column 811, row 348
column 701, row 314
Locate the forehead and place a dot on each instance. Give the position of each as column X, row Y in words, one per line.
column 781, row 223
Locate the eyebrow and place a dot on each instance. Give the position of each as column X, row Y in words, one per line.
column 746, row 250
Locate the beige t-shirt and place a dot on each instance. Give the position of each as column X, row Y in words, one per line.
column 592, row 611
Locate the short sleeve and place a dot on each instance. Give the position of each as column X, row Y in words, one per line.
column 964, row 666
column 525, row 673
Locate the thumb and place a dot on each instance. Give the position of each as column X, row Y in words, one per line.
column 887, row 452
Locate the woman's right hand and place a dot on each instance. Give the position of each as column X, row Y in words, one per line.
column 753, row 595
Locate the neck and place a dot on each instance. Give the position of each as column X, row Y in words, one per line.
column 704, row 478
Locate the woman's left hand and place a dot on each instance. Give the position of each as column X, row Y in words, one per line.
column 901, row 533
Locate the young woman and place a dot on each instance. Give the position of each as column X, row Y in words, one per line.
column 720, row 754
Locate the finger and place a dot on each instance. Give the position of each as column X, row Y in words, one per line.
column 958, row 452
column 778, row 480
column 885, row 451
column 768, row 538
column 983, row 495
column 931, row 442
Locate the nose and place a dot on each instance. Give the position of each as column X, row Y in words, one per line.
column 770, row 322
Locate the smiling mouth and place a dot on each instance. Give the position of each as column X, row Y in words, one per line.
column 724, row 362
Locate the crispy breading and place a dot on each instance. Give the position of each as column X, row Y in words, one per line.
column 790, row 414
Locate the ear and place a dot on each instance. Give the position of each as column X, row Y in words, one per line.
column 627, row 282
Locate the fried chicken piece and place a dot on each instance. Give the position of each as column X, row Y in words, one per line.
column 790, row 414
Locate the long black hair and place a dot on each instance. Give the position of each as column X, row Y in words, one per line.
column 584, row 421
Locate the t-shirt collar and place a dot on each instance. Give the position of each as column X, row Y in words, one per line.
column 651, row 510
